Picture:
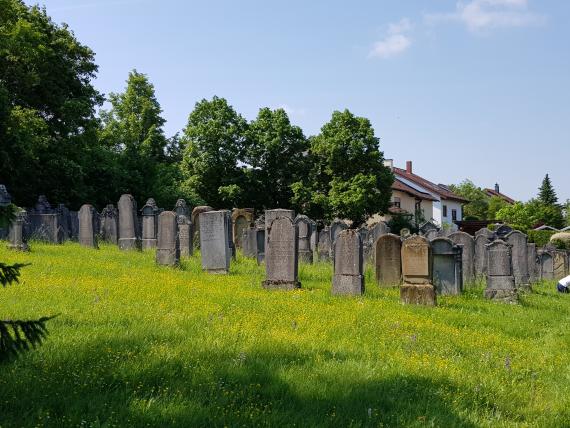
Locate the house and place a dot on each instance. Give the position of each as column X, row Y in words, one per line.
column 414, row 194
column 495, row 192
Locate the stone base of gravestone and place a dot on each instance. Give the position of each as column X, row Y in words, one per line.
column 507, row 296
column 418, row 294
column 129, row 244
column 167, row 257
column 501, row 288
column 348, row 285
column 281, row 285
column 18, row 247
column 148, row 243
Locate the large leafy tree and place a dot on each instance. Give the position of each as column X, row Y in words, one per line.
column 47, row 107
column 347, row 178
column 276, row 152
column 478, row 205
column 214, row 145
column 530, row 214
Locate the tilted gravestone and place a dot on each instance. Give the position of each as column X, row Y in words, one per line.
column 249, row 242
column 447, row 266
column 185, row 235
column 281, row 256
column 16, row 239
column 196, row 221
column 416, row 272
column 242, row 218
column 87, row 226
column 468, row 256
column 324, row 246
column 110, row 224
column 304, row 231
column 546, row 265
column 519, row 252
column 167, row 245
column 388, row 261
column 482, row 238
column 128, row 224
column 149, row 224
column 348, row 261
column 500, row 279
column 214, row 241
column 533, row 263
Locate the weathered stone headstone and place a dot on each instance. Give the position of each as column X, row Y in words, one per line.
column 500, row 279
column 149, row 224
column 181, row 208
column 546, row 265
column 260, row 237
column 519, row 252
column 214, row 241
column 304, row 231
column 74, row 224
column 502, row 231
column 16, row 240
column 388, row 260
column 431, row 234
column 324, row 246
column 468, row 256
column 416, row 272
column 533, row 263
column 348, row 261
column 167, row 245
column 43, row 206
column 242, row 218
column 128, row 223
column 336, row 227
column 64, row 221
column 447, row 266
column 110, row 224
column 427, row 227
column 185, row 235
column 249, row 242
column 196, row 221
column 482, row 238
column 559, row 264
column 281, row 256
column 271, row 215
column 87, row 226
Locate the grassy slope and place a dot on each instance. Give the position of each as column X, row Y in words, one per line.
column 137, row 344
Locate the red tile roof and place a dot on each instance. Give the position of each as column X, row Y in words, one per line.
column 440, row 189
column 505, row 198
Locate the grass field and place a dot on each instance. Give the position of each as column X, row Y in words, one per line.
column 139, row 345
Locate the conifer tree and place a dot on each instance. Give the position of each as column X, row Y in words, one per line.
column 547, row 194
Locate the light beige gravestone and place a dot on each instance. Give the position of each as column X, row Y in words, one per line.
column 416, row 272
column 242, row 218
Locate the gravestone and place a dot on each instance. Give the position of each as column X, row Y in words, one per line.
column 149, row 224
column 416, row 272
column 447, row 266
column 42, row 206
column 16, row 239
column 519, row 252
column 5, row 198
column 304, row 230
column 313, row 239
column 500, row 280
column 110, row 224
column 242, row 218
column 405, row 233
column 65, row 221
column 128, row 223
column 214, row 241
column 87, row 226
column 502, row 231
column 260, row 237
column 431, row 234
column 388, row 260
column 533, row 263
column 271, row 215
column 324, row 246
column 482, row 238
column 281, row 256
column 74, row 224
column 181, row 208
column 336, row 227
column 427, row 227
column 546, row 265
column 184, row 235
column 196, row 221
column 559, row 262
column 167, row 245
column 468, row 256
column 249, row 242
column 348, row 261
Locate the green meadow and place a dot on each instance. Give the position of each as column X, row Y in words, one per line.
column 135, row 344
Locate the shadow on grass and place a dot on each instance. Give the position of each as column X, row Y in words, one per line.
column 126, row 383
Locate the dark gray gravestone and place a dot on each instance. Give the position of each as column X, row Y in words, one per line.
column 149, row 224
column 196, row 221
column 74, row 222
column 533, row 263
column 348, row 261
column 249, row 242
column 181, row 208
column 167, row 245
column 427, row 227
column 65, row 221
column 447, row 275
column 110, row 224
column 214, row 241
column 500, row 279
column 519, row 250
column 281, row 256
column 324, row 247
column 416, row 272
column 185, row 235
column 336, row 227
column 468, row 257
column 5, row 198
column 128, row 224
column 502, row 231
column 304, row 230
column 482, row 238
column 16, row 234
column 260, row 237
column 546, row 265
column 388, row 260
column 87, row 226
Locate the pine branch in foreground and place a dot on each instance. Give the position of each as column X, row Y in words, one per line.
column 19, row 336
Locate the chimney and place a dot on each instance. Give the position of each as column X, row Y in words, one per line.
column 497, row 187
column 389, row 163
column 409, row 167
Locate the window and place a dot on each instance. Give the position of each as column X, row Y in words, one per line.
column 445, row 210
column 454, row 215
column 397, row 202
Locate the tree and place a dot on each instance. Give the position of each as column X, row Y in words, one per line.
column 214, row 145
column 496, row 203
column 547, row 194
column 531, row 214
column 347, row 177
column 275, row 151
column 47, row 106
column 478, row 205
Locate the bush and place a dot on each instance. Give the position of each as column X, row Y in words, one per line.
column 561, row 240
column 540, row 237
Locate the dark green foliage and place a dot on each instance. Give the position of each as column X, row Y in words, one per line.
column 561, row 244
column 20, row 336
column 547, row 194
column 478, row 205
column 540, row 237
column 9, row 273
column 400, row 221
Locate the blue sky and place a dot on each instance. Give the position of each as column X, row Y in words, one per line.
column 475, row 89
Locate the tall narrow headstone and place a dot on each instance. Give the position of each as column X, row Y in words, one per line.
column 167, row 245
column 214, row 241
column 324, row 247
column 281, row 257
column 74, row 220
column 87, row 226
column 482, row 238
column 559, row 264
column 249, row 242
column 110, row 224
column 533, row 263
column 500, row 279
column 16, row 239
column 388, row 260
column 416, row 272
column 447, row 266
column 128, row 223
column 468, row 255
column 185, row 236
column 149, row 224
column 304, row 230
column 519, row 251
column 196, row 212
column 260, row 237
column 348, row 261
column 546, row 265
column 242, row 218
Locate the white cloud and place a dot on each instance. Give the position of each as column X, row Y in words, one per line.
column 395, row 42
column 479, row 15
column 292, row 111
